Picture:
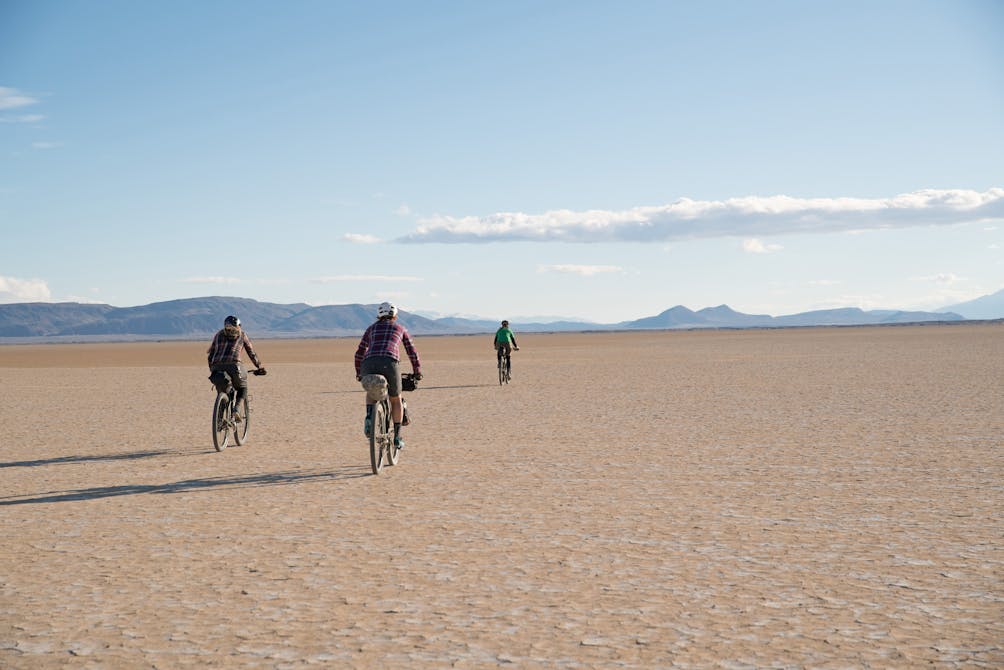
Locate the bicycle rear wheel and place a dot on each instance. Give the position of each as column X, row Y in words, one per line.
column 378, row 437
column 221, row 421
column 501, row 372
column 241, row 429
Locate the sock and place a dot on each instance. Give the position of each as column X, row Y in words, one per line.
column 397, row 430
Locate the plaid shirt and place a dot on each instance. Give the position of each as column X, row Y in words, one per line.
column 225, row 350
column 383, row 339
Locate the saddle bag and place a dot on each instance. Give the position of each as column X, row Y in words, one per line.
column 376, row 387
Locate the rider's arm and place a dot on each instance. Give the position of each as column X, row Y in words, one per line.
column 364, row 344
column 416, row 365
column 246, row 341
column 211, row 351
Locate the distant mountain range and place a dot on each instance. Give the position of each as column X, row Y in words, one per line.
column 986, row 307
column 201, row 317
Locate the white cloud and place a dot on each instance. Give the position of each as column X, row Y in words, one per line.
column 22, row 118
column 211, row 280
column 341, row 278
column 824, row 282
column 946, row 278
column 403, row 210
column 864, row 302
column 11, row 98
column 13, row 289
column 391, row 295
column 83, row 300
column 357, row 238
column 755, row 246
column 583, row 270
column 45, row 145
column 693, row 219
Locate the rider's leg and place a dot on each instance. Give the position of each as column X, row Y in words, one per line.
column 240, row 381
column 368, row 421
column 239, row 403
column 396, row 412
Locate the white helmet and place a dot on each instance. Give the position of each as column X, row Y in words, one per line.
column 386, row 309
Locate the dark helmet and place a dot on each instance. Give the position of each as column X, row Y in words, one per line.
column 232, row 321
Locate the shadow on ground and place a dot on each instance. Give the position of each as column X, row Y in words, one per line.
column 422, row 388
column 189, row 485
column 85, row 459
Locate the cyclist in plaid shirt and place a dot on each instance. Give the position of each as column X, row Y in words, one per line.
column 225, row 354
column 379, row 353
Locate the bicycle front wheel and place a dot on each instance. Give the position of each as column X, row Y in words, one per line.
column 221, row 421
column 378, row 437
column 241, row 429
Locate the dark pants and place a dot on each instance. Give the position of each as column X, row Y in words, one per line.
column 238, row 377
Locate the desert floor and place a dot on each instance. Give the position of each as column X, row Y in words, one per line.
column 818, row 498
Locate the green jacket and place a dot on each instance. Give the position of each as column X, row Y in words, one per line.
column 504, row 336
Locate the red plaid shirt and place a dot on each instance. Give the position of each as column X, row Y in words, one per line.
column 383, row 339
column 225, row 350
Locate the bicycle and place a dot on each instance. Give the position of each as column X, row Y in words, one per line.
column 504, row 365
column 381, row 426
column 223, row 411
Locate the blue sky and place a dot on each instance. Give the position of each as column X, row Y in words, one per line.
column 598, row 160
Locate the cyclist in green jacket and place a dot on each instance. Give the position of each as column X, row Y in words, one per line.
column 504, row 341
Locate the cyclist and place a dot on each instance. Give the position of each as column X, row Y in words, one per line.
column 379, row 353
column 504, row 341
column 225, row 354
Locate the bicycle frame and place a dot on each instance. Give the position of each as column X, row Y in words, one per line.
column 383, row 451
column 504, row 366
column 223, row 411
